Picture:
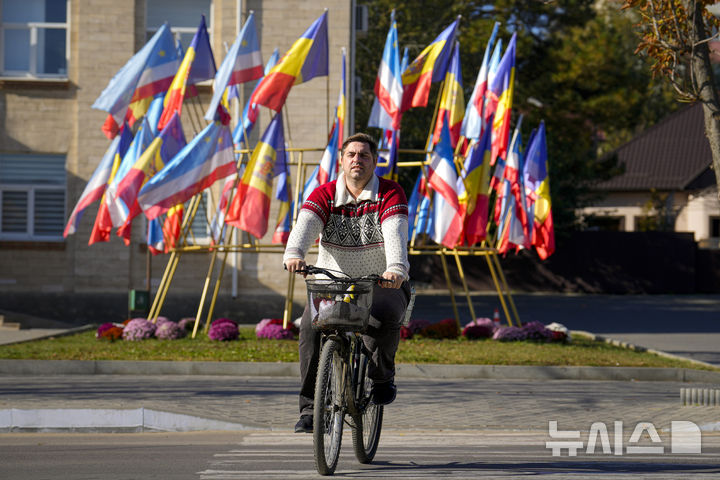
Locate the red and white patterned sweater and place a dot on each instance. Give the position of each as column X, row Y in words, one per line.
column 357, row 236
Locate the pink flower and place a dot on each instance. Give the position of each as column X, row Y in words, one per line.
column 276, row 332
column 223, row 329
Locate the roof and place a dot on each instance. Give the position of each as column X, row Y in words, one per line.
column 673, row 154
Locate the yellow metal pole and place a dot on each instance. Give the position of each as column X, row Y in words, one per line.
column 507, row 290
column 493, row 273
column 161, row 295
column 461, row 272
column 450, row 289
column 161, row 287
column 287, row 313
column 218, row 281
column 204, row 292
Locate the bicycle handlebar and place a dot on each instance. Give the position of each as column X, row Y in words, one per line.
column 313, row 270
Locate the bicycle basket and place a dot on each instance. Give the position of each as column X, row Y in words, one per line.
column 340, row 305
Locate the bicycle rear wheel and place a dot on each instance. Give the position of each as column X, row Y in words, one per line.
column 367, row 426
column 328, row 408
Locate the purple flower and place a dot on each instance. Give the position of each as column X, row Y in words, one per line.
column 479, row 328
column 264, row 323
column 276, row 332
column 537, row 331
column 169, row 331
column 223, row 329
column 509, row 333
column 138, row 329
column 160, row 320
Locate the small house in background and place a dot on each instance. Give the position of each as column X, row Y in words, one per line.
column 668, row 182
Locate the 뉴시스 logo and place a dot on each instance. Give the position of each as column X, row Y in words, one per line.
column 685, row 437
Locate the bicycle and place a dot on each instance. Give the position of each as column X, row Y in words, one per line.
column 340, row 309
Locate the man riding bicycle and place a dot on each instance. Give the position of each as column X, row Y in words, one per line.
column 362, row 221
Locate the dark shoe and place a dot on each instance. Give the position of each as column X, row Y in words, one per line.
column 383, row 393
column 305, row 424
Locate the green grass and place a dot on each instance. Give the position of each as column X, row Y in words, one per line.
column 581, row 352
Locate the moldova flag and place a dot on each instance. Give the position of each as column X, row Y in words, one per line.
column 501, row 92
column 197, row 65
column 306, row 59
column 474, row 198
column 537, row 185
column 250, row 208
column 428, row 67
column 452, row 101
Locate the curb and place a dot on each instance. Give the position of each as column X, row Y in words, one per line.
column 407, row 371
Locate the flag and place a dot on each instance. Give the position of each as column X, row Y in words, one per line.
column 242, row 63
column 428, row 67
column 250, row 208
column 103, row 223
column 341, row 109
column 116, row 207
column 390, row 170
column 501, row 92
column 155, row 157
column 172, row 226
column 98, row 181
column 472, row 126
column 490, row 104
column 419, row 206
column 250, row 110
column 283, row 193
column 452, row 101
column 388, row 84
column 513, row 167
column 326, row 171
column 206, row 159
column 442, row 176
column 155, row 239
column 148, row 72
column 197, row 65
column 217, row 224
column 306, row 59
column 537, row 183
column 474, row 196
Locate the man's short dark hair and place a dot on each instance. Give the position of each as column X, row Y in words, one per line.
column 362, row 138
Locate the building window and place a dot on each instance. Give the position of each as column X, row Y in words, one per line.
column 183, row 17
column 605, row 223
column 200, row 227
column 32, row 197
column 34, row 37
column 714, row 227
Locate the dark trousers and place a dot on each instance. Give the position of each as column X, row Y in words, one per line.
column 382, row 338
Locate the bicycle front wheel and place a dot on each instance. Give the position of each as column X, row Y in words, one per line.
column 367, row 425
column 329, row 412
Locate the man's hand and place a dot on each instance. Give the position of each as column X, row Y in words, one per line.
column 395, row 278
column 295, row 264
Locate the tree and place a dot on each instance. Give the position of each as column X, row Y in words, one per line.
column 676, row 35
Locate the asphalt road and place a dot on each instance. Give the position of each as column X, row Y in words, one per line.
column 284, row 455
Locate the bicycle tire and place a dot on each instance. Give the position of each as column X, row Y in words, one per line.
column 367, row 426
column 328, row 409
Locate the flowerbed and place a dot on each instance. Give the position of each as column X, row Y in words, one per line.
column 226, row 329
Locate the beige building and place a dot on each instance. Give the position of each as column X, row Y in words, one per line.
column 668, row 182
column 56, row 56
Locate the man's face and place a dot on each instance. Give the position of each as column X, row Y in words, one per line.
column 358, row 162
